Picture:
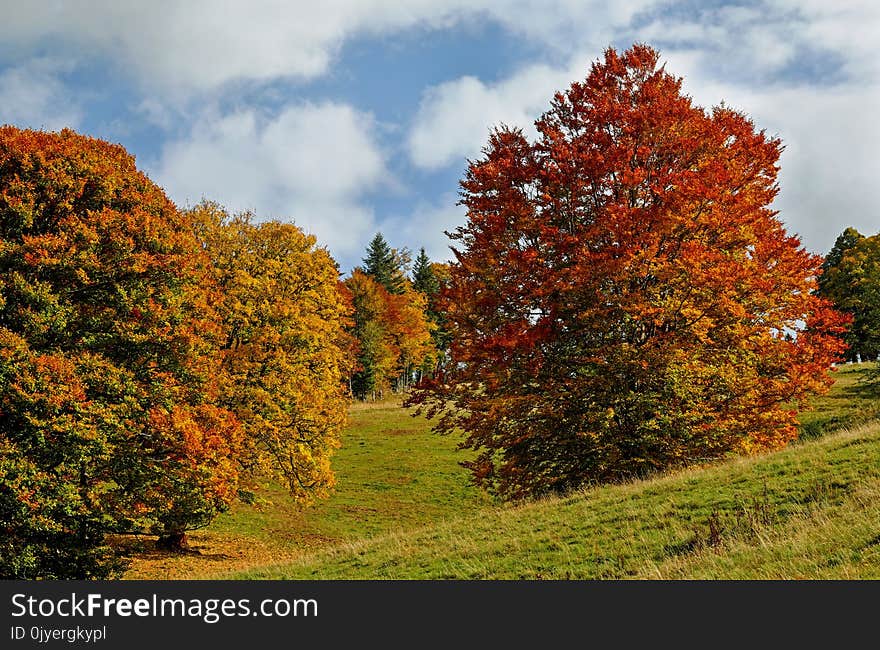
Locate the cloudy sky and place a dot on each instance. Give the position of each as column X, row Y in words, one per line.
column 355, row 116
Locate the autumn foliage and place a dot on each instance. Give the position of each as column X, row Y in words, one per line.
column 623, row 300
column 393, row 334
column 108, row 360
column 284, row 350
column 152, row 362
column 623, row 297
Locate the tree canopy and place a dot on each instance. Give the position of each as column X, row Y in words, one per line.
column 851, row 280
column 623, row 298
column 283, row 353
column 109, row 360
column 845, row 242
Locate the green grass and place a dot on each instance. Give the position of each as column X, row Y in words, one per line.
column 404, row 508
column 392, row 472
column 811, row 511
column 851, row 402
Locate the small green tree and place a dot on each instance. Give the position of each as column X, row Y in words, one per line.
column 424, row 279
column 387, row 265
column 851, row 280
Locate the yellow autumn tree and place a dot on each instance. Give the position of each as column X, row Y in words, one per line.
column 284, row 361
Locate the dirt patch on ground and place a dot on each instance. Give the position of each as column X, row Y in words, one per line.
column 209, row 554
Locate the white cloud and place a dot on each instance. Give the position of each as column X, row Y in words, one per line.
column 830, row 131
column 33, row 97
column 155, row 112
column 829, row 41
column 807, row 69
column 454, row 118
column 745, row 45
column 850, row 28
column 199, row 45
column 830, row 164
column 426, row 225
column 567, row 25
column 310, row 163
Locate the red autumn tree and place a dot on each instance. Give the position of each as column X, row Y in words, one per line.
column 623, row 297
column 108, row 360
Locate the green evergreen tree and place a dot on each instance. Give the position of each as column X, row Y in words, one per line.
column 423, row 277
column 851, row 280
column 384, row 264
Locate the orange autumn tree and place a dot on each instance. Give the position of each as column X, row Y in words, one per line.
column 410, row 330
column 285, row 352
column 623, row 297
column 108, row 360
column 377, row 353
column 393, row 334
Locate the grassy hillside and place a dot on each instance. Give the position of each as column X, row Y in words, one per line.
column 850, row 402
column 392, row 473
column 404, row 508
column 812, row 511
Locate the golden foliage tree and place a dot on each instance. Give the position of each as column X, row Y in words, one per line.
column 285, row 348
column 407, row 321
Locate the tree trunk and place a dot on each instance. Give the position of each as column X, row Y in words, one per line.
column 174, row 541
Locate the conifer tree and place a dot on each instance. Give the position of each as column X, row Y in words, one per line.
column 423, row 277
column 381, row 264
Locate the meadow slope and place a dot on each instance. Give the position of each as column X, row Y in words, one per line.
column 392, row 474
column 405, row 509
column 811, row 511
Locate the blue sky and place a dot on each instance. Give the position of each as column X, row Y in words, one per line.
column 354, row 116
